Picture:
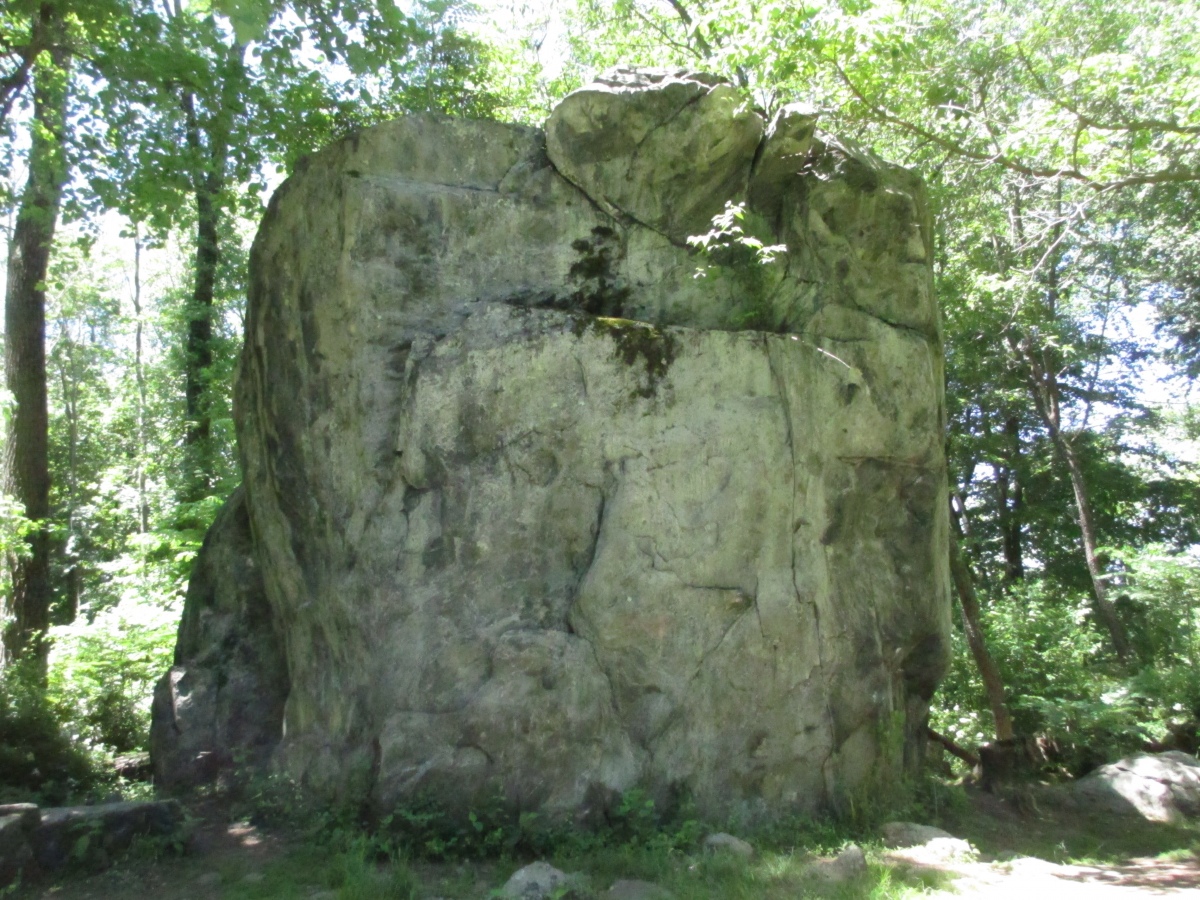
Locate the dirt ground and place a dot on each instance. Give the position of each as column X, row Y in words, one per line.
column 1027, row 855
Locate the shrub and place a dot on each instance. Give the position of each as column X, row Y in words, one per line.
column 1060, row 681
column 38, row 759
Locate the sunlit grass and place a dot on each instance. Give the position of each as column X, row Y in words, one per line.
column 351, row 875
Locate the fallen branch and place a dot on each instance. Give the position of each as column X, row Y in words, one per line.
column 961, row 752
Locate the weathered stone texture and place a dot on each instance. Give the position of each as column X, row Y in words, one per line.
column 538, row 511
column 221, row 704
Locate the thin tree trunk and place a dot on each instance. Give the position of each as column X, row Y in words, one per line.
column 1043, row 385
column 209, row 141
column 69, row 381
column 951, row 747
column 1105, row 610
column 1012, row 499
column 1042, row 371
column 972, row 626
column 139, row 375
column 26, row 459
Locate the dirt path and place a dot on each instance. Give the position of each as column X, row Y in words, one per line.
column 1030, row 878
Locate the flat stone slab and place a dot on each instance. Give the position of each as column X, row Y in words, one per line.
column 91, row 835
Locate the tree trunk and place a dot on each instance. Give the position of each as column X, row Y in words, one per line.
column 139, row 375
column 26, row 461
column 198, row 347
column 1042, row 366
column 1011, row 501
column 972, row 626
column 208, row 138
column 1105, row 610
column 1043, row 385
column 69, row 384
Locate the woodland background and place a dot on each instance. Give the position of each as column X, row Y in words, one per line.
column 1061, row 143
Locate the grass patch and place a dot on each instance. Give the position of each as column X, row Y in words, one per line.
column 772, row 875
column 1063, row 837
column 352, row 874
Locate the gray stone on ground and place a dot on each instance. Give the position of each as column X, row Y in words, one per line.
column 1160, row 787
column 850, row 863
column 721, row 842
column 925, row 844
column 632, row 889
column 90, row 836
column 626, row 527
column 541, row 881
column 910, row 834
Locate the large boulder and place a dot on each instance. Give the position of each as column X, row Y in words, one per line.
column 548, row 504
column 1158, row 787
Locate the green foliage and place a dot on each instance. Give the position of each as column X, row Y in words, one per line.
column 1061, row 683
column 737, row 244
column 37, row 758
column 102, row 673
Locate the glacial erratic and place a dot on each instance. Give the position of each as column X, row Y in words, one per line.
column 549, row 503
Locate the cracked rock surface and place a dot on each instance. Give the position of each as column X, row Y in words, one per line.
column 547, row 505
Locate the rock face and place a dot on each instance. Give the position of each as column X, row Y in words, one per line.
column 547, row 502
column 222, row 703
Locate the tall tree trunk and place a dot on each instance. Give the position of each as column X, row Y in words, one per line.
column 1047, row 396
column 993, row 685
column 198, row 348
column 139, row 375
column 1105, row 610
column 69, row 384
column 1012, row 499
column 1042, row 365
column 208, row 139
column 26, row 461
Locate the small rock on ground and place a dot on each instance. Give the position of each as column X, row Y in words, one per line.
column 925, row 845
column 727, row 843
column 846, row 866
column 910, row 834
column 540, row 881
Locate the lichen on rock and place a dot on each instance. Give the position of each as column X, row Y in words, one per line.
column 537, row 514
